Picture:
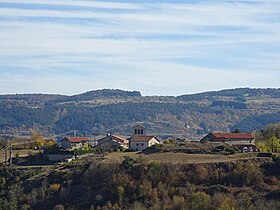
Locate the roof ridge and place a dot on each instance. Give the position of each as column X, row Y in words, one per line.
column 233, row 135
column 119, row 137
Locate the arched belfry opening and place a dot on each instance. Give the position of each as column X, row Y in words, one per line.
column 138, row 130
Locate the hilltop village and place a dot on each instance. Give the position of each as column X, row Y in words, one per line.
column 142, row 171
column 139, row 153
column 140, row 141
column 69, row 147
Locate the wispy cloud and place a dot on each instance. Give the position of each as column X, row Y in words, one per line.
column 164, row 47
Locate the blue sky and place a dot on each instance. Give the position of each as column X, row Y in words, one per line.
column 157, row 47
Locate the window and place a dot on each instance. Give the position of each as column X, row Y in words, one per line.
column 142, row 144
column 135, row 131
column 137, row 144
column 142, row 131
column 138, row 131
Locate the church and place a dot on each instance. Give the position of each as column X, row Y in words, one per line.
column 139, row 140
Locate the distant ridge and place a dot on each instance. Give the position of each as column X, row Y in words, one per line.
column 114, row 111
column 237, row 92
column 90, row 95
column 104, row 93
column 33, row 97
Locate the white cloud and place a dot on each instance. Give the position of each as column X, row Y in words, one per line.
column 160, row 41
column 169, row 79
column 93, row 4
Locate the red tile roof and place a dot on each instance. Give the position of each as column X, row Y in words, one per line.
column 233, row 135
column 115, row 137
column 120, row 138
column 77, row 139
column 142, row 138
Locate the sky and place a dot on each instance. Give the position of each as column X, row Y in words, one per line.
column 168, row 47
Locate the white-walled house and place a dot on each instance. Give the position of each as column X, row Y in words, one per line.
column 139, row 140
column 138, row 143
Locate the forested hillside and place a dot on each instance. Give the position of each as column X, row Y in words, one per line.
column 142, row 184
column 102, row 111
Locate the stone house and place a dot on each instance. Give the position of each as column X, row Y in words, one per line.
column 71, row 143
column 113, row 141
column 244, row 141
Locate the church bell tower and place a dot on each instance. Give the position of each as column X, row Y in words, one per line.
column 138, row 130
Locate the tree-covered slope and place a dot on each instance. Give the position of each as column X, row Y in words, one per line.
column 101, row 94
column 101, row 111
column 137, row 183
column 257, row 122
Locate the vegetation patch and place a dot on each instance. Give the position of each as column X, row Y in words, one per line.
column 136, row 183
column 193, row 148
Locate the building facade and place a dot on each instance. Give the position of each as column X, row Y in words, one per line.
column 71, row 143
column 113, row 141
column 244, row 141
column 139, row 140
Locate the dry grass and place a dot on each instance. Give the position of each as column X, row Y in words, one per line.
column 18, row 153
column 24, row 152
column 180, row 157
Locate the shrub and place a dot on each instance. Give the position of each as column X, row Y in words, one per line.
column 199, row 201
column 169, row 141
column 246, row 174
column 85, row 150
column 54, row 187
column 178, row 202
column 128, row 163
column 154, row 172
column 145, row 189
column 158, row 147
column 199, row 174
column 276, row 159
column 230, row 151
column 227, row 204
column 59, row 207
